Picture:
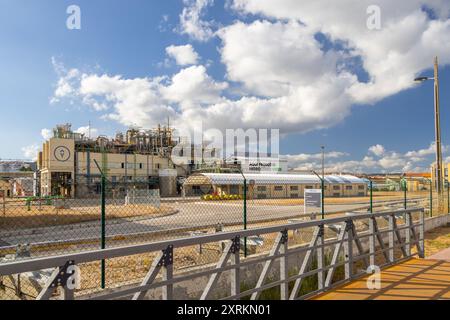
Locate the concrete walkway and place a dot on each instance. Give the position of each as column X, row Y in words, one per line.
column 443, row 255
column 415, row 279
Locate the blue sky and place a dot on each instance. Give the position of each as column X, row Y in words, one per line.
column 129, row 38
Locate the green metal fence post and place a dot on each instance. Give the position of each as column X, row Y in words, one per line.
column 405, row 190
column 431, row 198
column 103, row 222
column 245, row 215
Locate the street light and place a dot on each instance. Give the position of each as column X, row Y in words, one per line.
column 438, row 172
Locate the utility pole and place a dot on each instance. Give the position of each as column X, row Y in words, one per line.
column 323, row 161
column 438, row 172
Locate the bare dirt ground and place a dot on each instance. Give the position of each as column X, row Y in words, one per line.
column 19, row 216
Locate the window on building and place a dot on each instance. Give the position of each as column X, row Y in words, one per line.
column 140, row 165
column 294, row 195
column 261, row 188
column 336, row 188
column 123, row 165
column 158, row 166
column 361, row 187
column 234, row 189
column 348, row 187
column 309, row 187
column 294, row 188
column 278, row 188
column 336, row 194
column 262, row 196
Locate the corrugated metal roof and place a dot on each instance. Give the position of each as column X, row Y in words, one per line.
column 265, row 179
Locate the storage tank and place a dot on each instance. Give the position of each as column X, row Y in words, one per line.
column 168, row 182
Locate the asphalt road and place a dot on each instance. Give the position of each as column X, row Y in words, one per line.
column 193, row 215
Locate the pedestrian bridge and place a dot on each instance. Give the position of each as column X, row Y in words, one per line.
column 415, row 279
column 337, row 256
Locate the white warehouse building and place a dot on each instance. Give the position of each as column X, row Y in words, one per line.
column 273, row 186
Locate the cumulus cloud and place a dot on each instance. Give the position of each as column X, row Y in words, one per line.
column 377, row 150
column 391, row 56
column 46, row 133
column 191, row 22
column 290, row 64
column 31, row 152
column 378, row 160
column 183, row 55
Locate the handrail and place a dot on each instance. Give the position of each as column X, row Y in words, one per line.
column 346, row 235
column 109, row 253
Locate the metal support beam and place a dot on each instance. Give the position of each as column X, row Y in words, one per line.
column 59, row 278
column 306, row 263
column 337, row 249
column 320, row 257
column 163, row 259
column 231, row 248
column 279, row 241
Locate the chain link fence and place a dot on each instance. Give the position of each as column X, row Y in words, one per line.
column 106, row 213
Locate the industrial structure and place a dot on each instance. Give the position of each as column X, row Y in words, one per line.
column 273, row 186
column 71, row 164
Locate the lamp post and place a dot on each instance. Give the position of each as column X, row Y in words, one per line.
column 322, row 180
column 245, row 210
column 371, row 192
column 437, row 124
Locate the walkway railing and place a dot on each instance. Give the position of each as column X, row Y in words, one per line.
column 358, row 242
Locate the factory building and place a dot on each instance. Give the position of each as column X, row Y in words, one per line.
column 273, row 186
column 70, row 163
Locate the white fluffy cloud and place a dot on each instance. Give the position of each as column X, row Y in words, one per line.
column 391, row 56
column 377, row 150
column 183, row 55
column 191, row 22
column 31, row 152
column 278, row 71
column 378, row 160
column 46, row 133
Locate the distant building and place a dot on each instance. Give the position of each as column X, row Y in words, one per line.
column 68, row 162
column 23, row 187
column 5, row 189
column 273, row 186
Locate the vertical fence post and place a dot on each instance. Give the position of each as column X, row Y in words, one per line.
column 391, row 238
column 103, row 228
column 4, row 203
column 320, row 257
column 372, row 240
column 431, row 198
column 408, row 223
column 422, row 235
column 348, row 250
column 245, row 216
column 448, row 197
column 405, row 190
column 371, row 196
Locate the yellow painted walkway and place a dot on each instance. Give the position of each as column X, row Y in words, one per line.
column 415, row 279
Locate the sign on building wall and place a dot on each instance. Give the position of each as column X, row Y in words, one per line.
column 313, row 199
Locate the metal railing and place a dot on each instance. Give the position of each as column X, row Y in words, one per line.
column 348, row 248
